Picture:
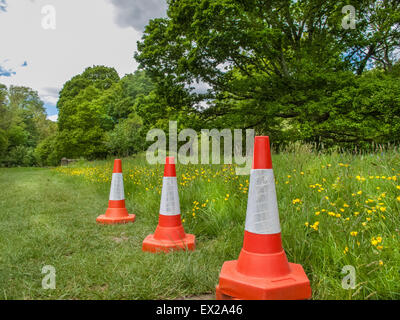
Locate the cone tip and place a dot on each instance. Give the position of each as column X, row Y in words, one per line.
column 169, row 170
column 264, row 139
column 170, row 160
column 262, row 153
column 117, row 166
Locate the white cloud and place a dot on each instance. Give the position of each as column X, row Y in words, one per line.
column 86, row 34
column 200, row 87
column 49, row 95
column 53, row 118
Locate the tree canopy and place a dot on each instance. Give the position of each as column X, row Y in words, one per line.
column 23, row 125
column 319, row 71
column 281, row 67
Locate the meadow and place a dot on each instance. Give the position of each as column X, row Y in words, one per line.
column 336, row 210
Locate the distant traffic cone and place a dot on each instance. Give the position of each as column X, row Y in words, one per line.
column 116, row 212
column 262, row 271
column 169, row 234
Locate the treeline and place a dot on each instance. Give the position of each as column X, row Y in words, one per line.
column 98, row 116
column 295, row 70
column 23, row 126
column 288, row 69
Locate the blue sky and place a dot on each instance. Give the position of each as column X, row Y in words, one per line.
column 87, row 33
column 6, row 72
column 3, row 5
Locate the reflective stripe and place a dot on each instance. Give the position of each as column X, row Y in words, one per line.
column 117, row 187
column 170, row 197
column 262, row 215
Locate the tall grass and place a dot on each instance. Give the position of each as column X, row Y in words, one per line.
column 336, row 209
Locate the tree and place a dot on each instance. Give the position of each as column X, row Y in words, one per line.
column 131, row 87
column 83, row 117
column 268, row 63
column 23, row 125
column 127, row 137
column 3, row 124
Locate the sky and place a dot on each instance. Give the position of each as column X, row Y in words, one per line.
column 44, row 43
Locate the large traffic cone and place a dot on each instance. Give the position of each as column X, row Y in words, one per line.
column 116, row 212
column 262, row 271
column 169, row 234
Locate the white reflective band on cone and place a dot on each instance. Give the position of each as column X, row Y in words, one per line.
column 117, row 187
column 262, row 215
column 170, row 197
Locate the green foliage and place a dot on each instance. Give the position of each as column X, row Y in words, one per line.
column 23, row 125
column 127, row 137
column 131, row 87
column 46, row 152
column 280, row 67
column 97, row 114
column 17, row 135
column 3, row 141
column 21, row 156
column 366, row 110
column 96, row 117
column 288, row 69
column 82, row 113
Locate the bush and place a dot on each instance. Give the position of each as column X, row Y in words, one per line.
column 46, row 153
column 3, row 142
column 20, row 156
column 127, row 138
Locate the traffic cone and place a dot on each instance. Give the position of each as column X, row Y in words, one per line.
column 262, row 271
column 169, row 234
column 116, row 212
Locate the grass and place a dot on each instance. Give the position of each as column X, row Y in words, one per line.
column 335, row 210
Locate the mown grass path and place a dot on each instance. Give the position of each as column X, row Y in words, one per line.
column 49, row 219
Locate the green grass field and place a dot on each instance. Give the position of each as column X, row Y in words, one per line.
column 335, row 210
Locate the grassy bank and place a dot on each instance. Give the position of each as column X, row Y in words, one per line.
column 335, row 210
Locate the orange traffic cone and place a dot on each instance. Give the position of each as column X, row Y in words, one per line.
column 262, row 271
column 169, row 234
column 116, row 212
